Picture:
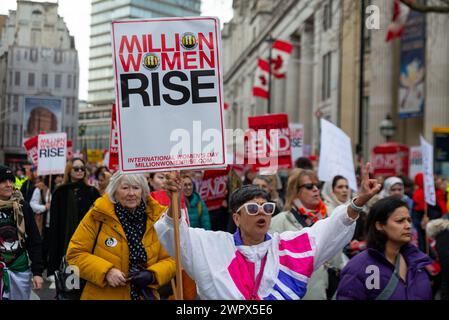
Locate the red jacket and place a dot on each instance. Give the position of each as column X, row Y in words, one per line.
column 418, row 195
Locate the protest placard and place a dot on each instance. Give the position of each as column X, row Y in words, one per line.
column 335, row 154
column 31, row 149
column 269, row 145
column 52, row 153
column 169, row 93
column 113, row 163
column 427, row 163
column 415, row 162
column 296, row 140
column 213, row 188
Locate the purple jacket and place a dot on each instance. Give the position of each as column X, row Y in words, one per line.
column 358, row 275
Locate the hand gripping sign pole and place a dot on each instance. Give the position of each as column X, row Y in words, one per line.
column 175, row 207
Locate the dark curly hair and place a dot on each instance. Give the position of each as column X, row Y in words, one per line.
column 246, row 193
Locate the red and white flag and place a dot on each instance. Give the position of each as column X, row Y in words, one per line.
column 279, row 57
column 260, row 88
column 400, row 15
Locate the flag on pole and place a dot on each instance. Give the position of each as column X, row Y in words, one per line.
column 260, row 88
column 400, row 15
column 279, row 57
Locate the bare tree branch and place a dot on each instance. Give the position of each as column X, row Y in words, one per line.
column 418, row 6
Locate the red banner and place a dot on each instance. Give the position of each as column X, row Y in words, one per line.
column 272, row 148
column 213, row 188
column 113, row 142
column 390, row 159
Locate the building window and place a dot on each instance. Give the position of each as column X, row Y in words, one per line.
column 326, row 80
column 69, row 81
column 58, row 56
column 327, row 15
column 44, row 80
column 15, row 103
column 74, row 81
column 31, row 79
column 33, row 54
column 57, row 81
column 17, row 78
column 10, row 78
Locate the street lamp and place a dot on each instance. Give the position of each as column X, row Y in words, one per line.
column 387, row 127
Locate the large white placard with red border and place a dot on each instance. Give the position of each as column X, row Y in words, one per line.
column 52, row 153
column 169, row 93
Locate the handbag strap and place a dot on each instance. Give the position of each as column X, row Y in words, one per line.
column 96, row 237
column 388, row 291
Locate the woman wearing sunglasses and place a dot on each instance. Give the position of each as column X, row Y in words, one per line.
column 69, row 203
column 252, row 264
column 304, row 208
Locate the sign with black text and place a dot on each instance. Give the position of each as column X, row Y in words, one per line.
column 169, row 93
column 52, row 153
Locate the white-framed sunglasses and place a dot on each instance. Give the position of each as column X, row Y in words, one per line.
column 252, row 208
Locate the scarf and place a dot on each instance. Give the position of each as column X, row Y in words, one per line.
column 134, row 225
column 319, row 213
column 15, row 203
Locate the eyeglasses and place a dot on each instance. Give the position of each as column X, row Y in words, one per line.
column 253, row 208
column 78, row 169
column 309, row 186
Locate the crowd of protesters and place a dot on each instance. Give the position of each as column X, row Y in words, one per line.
column 278, row 236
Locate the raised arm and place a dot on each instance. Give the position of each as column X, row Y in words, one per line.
column 332, row 234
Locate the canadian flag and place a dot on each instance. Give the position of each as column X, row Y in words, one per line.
column 260, row 88
column 279, row 57
column 400, row 15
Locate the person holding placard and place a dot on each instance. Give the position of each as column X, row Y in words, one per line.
column 116, row 247
column 20, row 242
column 253, row 264
column 69, row 203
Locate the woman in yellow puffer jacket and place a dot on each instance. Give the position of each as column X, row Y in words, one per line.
column 127, row 262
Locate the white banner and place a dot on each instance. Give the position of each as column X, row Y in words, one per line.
column 169, row 93
column 52, row 151
column 296, row 140
column 336, row 155
column 415, row 162
column 427, row 163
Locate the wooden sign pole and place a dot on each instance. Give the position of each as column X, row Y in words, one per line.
column 175, row 207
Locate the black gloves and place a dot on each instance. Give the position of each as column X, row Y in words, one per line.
column 141, row 279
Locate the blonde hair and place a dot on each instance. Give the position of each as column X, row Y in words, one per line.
column 68, row 169
column 294, row 179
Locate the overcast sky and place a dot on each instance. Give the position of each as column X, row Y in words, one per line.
column 76, row 15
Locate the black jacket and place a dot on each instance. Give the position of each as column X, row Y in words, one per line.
column 439, row 230
column 33, row 241
column 27, row 190
column 61, row 207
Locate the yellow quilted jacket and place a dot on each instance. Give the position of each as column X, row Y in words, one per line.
column 112, row 251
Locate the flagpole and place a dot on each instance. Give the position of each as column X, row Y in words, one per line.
column 270, row 42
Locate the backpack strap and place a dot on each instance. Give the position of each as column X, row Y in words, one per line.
column 388, row 291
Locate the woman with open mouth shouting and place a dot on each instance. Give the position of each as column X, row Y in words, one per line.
column 252, row 264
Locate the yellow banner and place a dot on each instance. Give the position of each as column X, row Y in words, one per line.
column 94, row 155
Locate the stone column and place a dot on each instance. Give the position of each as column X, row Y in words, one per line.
column 436, row 109
column 306, row 71
column 382, row 75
